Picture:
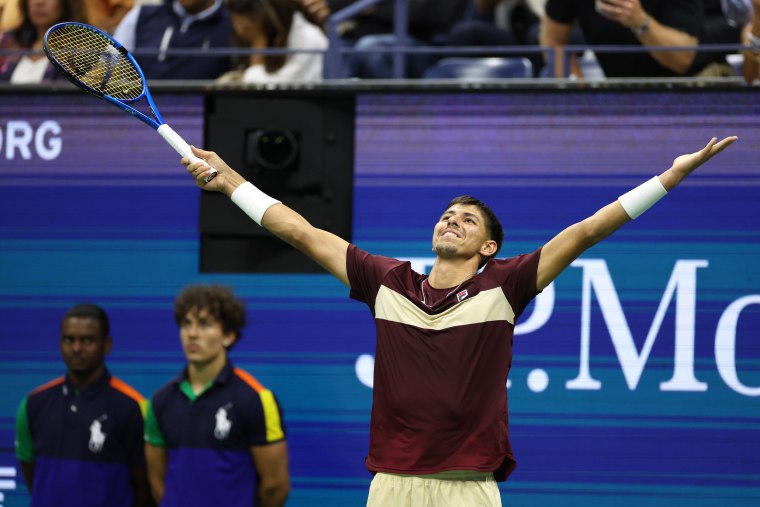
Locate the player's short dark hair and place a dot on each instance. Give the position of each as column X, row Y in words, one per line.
column 218, row 300
column 91, row 311
column 493, row 226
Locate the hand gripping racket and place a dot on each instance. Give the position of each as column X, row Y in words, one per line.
column 98, row 64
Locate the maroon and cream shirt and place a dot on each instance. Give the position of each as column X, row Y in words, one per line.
column 441, row 365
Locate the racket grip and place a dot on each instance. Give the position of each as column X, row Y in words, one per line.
column 181, row 147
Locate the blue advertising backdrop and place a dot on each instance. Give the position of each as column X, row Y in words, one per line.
column 636, row 374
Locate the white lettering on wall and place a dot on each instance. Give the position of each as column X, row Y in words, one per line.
column 47, row 140
column 20, row 140
column 682, row 284
column 725, row 345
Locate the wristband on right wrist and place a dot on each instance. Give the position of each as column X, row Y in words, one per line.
column 252, row 201
column 637, row 201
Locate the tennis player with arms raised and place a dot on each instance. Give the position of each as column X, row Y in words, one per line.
column 444, row 441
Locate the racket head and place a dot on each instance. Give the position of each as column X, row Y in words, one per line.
column 94, row 61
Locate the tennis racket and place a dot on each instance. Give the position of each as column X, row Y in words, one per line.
column 98, row 64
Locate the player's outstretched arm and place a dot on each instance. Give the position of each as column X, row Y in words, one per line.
column 325, row 248
column 569, row 244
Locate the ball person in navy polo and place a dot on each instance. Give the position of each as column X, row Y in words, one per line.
column 79, row 437
column 214, row 435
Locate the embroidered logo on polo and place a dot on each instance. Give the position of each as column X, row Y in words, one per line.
column 461, row 295
column 97, row 437
column 223, row 423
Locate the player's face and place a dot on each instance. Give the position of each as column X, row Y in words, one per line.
column 202, row 336
column 82, row 346
column 461, row 230
column 45, row 13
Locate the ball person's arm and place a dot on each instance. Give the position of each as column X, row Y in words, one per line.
column 271, row 462
column 156, row 458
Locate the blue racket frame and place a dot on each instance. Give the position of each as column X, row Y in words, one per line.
column 158, row 124
column 122, row 104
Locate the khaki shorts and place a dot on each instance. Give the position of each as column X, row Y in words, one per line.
column 445, row 489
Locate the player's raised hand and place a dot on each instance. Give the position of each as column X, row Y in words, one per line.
column 226, row 180
column 686, row 164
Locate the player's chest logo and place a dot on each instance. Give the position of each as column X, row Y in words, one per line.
column 97, row 436
column 223, row 424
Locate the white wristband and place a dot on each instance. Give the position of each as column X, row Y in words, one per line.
column 637, row 201
column 252, row 200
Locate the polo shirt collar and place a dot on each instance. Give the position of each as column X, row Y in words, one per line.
column 222, row 378
column 190, row 18
column 90, row 391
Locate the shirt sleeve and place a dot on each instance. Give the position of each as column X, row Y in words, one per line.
column 519, row 277
column 23, row 442
column 267, row 427
column 366, row 272
column 133, row 436
column 153, row 435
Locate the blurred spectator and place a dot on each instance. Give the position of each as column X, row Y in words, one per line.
column 36, row 17
column 429, row 22
column 178, row 24
column 103, row 14
column 751, row 65
column 276, row 24
column 646, row 23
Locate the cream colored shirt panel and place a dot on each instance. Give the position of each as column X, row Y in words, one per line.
column 488, row 306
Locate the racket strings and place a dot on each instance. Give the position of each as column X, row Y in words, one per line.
column 93, row 60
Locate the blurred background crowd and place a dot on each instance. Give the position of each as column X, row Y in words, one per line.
column 276, row 41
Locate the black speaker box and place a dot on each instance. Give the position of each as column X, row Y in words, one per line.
column 299, row 150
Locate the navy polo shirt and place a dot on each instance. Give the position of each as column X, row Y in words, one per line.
column 83, row 443
column 209, row 436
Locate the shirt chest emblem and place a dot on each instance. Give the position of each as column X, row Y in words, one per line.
column 223, row 424
column 97, row 436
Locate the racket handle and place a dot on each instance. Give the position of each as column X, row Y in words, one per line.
column 181, row 147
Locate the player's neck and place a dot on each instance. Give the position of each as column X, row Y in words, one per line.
column 82, row 380
column 447, row 274
column 201, row 374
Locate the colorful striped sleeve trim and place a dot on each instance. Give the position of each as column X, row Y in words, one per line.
column 130, row 391
column 274, row 431
column 153, row 435
column 55, row 382
column 24, row 443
